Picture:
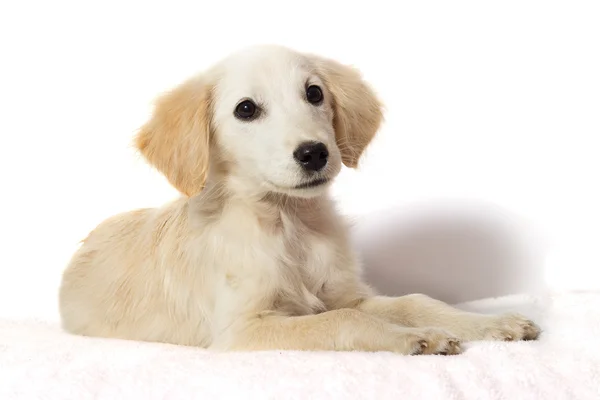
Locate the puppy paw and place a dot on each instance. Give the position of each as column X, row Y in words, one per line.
column 433, row 341
column 511, row 327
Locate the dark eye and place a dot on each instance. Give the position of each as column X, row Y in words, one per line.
column 246, row 110
column 314, row 95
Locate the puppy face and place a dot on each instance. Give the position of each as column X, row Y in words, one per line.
column 280, row 121
column 273, row 118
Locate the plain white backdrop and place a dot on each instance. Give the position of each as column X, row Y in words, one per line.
column 484, row 180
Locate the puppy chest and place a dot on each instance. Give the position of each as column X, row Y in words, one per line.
column 311, row 271
column 287, row 268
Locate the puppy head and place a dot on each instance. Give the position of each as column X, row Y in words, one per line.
column 280, row 121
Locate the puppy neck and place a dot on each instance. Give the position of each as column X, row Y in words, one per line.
column 222, row 194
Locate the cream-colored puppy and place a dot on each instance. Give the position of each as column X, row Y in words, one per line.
column 254, row 255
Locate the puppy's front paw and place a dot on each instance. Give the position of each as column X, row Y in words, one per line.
column 510, row 327
column 433, row 341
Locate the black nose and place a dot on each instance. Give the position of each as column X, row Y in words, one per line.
column 312, row 156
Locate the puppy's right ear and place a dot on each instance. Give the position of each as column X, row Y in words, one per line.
column 176, row 139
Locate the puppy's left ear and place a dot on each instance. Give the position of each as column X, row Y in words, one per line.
column 176, row 139
column 358, row 111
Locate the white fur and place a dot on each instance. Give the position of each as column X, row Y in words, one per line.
column 263, row 148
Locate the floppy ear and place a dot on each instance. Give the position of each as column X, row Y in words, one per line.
column 176, row 138
column 358, row 113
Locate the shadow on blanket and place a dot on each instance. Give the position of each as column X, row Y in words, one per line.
column 455, row 253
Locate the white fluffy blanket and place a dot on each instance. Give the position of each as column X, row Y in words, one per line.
column 38, row 361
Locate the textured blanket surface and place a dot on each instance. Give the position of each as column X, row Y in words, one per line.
column 39, row 361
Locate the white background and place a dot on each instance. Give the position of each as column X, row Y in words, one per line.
column 484, row 180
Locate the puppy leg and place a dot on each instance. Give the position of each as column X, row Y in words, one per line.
column 342, row 330
column 418, row 310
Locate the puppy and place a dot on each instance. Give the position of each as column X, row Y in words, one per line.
column 254, row 256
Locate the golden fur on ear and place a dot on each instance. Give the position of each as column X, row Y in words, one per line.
column 358, row 111
column 176, row 138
